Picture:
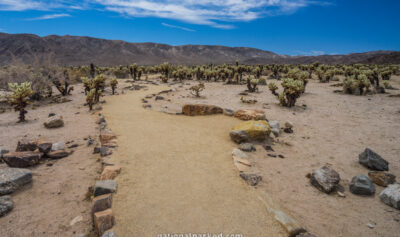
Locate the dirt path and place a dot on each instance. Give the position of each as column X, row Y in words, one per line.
column 177, row 175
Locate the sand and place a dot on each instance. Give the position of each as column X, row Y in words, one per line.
column 178, row 175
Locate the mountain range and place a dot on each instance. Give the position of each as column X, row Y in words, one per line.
column 79, row 50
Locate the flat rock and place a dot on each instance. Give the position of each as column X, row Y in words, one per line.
column 391, row 195
column 6, row 205
column 248, row 147
column 201, row 109
column 257, row 130
column 325, row 179
column 373, row 161
column 104, row 187
column 58, row 154
column 229, row 112
column 382, row 178
column 12, row 179
column 362, row 185
column 239, row 136
column 105, row 151
column 251, row 179
column 54, row 122
column 238, row 153
column 102, row 202
column 106, row 137
column 26, row 145
column 250, row 114
column 22, row 159
column 103, row 220
column 110, row 172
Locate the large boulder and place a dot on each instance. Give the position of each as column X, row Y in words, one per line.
column 382, row 178
column 362, row 185
column 325, row 179
column 54, row 122
column 250, row 114
column 391, row 195
column 12, row 179
column 26, row 145
column 201, row 109
column 6, row 205
column 373, row 161
column 22, row 159
column 257, row 130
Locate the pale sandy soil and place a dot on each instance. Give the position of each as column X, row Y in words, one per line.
column 48, row 205
column 178, row 176
column 333, row 129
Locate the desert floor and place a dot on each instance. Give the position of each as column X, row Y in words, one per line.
column 158, row 149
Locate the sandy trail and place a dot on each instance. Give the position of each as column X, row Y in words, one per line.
column 177, row 175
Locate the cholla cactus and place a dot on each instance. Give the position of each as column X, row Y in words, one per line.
column 252, row 84
column 349, row 85
column 273, row 87
column 113, row 84
column 165, row 69
column 292, row 89
column 195, row 90
column 20, row 97
column 90, row 98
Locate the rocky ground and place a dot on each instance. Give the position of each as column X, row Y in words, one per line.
column 329, row 129
column 324, row 129
column 54, row 202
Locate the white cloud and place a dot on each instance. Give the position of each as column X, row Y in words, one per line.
column 50, row 16
column 215, row 13
column 310, row 53
column 177, row 27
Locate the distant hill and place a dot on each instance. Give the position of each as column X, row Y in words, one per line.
column 77, row 50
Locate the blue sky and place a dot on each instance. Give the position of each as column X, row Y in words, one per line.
column 294, row 27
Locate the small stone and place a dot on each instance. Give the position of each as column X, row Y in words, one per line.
column 371, row 226
column 101, row 120
column 288, row 124
column 105, row 187
column 229, row 112
column 96, row 150
column 105, row 151
column 238, row 153
column 275, row 128
column 281, row 156
column 73, row 146
column 109, row 233
column 247, row 147
column 106, row 137
column 51, row 115
column 102, row 202
column 382, row 178
column 22, row 159
column 391, row 195
column 110, row 172
column 158, row 97
column 325, row 179
column 98, row 108
column 6, row 205
column 103, row 221
column 44, row 147
column 268, row 148
column 288, row 130
column 361, row 185
column 305, row 234
column 239, row 136
column 54, row 122
column 373, row 161
column 3, row 152
column 59, row 146
column 341, row 194
column 12, row 179
column 76, row 220
column 251, row 179
column 272, row 155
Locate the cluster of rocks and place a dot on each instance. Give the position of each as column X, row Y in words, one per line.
column 32, row 152
column 106, row 186
column 327, row 180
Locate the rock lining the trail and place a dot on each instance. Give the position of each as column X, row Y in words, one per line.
column 11, row 179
